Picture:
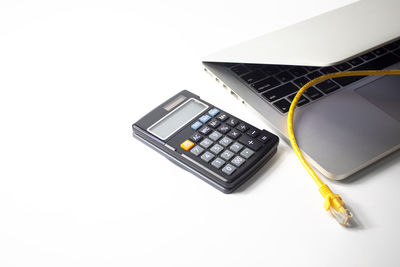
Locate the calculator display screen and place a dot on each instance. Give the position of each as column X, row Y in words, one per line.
column 177, row 118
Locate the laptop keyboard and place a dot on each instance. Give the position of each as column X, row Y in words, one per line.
column 278, row 84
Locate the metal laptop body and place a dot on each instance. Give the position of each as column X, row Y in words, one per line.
column 348, row 129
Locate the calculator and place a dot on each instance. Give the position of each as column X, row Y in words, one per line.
column 216, row 146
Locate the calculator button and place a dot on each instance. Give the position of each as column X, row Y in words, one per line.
column 228, row 169
column 214, row 123
column 253, row 132
column 222, row 117
column 212, row 112
column 225, row 141
column 234, row 134
column 236, row 147
column 247, row 153
column 227, row 154
column 215, row 136
column 187, row 145
column 224, row 129
column 263, row 138
column 250, row 142
column 196, row 150
column 232, row 122
column 204, row 118
column 196, row 137
column 207, row 156
column 218, row 162
column 238, row 160
column 196, row 125
column 216, row 149
column 206, row 143
column 242, row 127
column 205, row 130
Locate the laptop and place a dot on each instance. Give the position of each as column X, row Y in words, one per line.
column 342, row 125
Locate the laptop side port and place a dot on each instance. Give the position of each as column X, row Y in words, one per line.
column 234, row 95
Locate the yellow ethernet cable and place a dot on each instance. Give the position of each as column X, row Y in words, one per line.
column 333, row 203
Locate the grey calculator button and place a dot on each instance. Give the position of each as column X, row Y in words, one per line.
column 216, row 149
column 247, row 153
column 196, row 150
column 227, row 154
column 218, row 162
column 238, row 160
column 206, row 143
column 207, row 156
column 215, row 136
column 225, row 141
column 228, row 169
column 236, row 147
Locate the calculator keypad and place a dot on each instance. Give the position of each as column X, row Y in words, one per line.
column 197, row 150
column 247, row 153
column 224, row 129
column 216, row 149
column 207, row 156
column 234, row 134
column 229, row 169
column 205, row 130
column 218, row 162
column 227, row 154
column 196, row 137
column 206, row 143
column 236, row 147
column 223, row 143
column 214, row 123
column 215, row 136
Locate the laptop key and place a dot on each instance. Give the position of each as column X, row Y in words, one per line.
column 284, row 76
column 314, row 75
column 265, row 84
column 253, row 76
column 327, row 70
column 300, row 82
column 284, row 67
column 379, row 51
column 313, row 93
column 270, row 69
column 391, row 46
column 301, row 102
column 254, row 66
column 356, row 61
column 343, row 66
column 283, row 105
column 368, row 56
column 327, row 86
column 297, row 71
column 240, row 70
column 397, row 52
column 280, row 92
column 309, row 68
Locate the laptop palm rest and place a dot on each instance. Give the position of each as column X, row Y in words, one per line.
column 384, row 93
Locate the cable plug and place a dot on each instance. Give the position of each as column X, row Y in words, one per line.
column 335, row 205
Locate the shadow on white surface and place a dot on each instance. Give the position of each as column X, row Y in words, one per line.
column 262, row 174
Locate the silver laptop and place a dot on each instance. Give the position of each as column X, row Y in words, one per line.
column 344, row 124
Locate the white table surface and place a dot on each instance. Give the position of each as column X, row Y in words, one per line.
column 77, row 190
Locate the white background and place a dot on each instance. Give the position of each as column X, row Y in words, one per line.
column 77, row 190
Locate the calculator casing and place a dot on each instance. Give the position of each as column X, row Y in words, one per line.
column 170, row 147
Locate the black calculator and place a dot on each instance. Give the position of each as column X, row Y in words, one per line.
column 221, row 149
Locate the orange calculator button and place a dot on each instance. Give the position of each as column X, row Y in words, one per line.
column 187, row 145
